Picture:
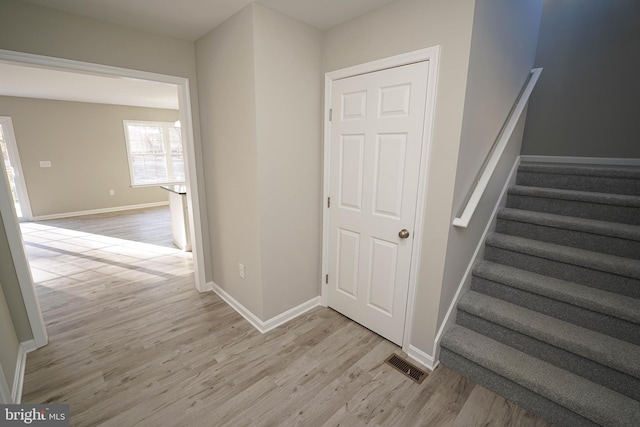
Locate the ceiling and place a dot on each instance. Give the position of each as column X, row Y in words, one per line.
column 183, row 19
column 34, row 82
column 191, row 19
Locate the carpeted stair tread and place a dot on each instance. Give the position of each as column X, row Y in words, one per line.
column 594, row 402
column 603, row 349
column 515, row 393
column 610, row 171
column 578, row 196
column 593, row 178
column 605, row 228
column 595, row 261
column 590, row 298
column 552, row 319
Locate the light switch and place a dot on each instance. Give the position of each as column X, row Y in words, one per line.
column 45, row 163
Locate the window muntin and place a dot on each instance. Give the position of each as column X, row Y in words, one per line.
column 155, row 153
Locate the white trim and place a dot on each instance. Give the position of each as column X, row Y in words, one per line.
column 466, row 278
column 29, row 346
column 18, row 381
column 193, row 197
column 381, row 64
column 431, row 54
column 425, row 166
column 166, row 143
column 274, row 322
column 464, row 219
column 184, row 102
column 99, row 211
column 14, row 396
column 23, row 272
column 21, row 185
column 422, row 358
column 326, row 189
column 613, row 161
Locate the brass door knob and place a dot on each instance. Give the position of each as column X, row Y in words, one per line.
column 404, row 233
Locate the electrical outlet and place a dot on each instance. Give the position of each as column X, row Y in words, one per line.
column 45, row 163
column 112, row 192
column 241, row 270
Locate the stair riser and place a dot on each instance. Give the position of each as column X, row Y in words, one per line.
column 601, row 212
column 591, row 370
column 573, row 273
column 575, row 239
column 612, row 326
column 597, row 184
column 529, row 400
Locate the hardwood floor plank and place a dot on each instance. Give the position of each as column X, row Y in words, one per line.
column 133, row 343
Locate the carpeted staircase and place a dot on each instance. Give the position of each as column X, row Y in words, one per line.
column 552, row 319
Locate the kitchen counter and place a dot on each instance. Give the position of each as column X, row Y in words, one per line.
column 179, row 216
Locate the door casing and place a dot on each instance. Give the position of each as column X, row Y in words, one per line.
column 23, row 194
column 432, row 55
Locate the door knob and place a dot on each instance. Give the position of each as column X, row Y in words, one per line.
column 404, row 233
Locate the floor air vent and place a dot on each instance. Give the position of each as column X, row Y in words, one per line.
column 412, row 371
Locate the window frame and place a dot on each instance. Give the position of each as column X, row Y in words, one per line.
column 166, row 142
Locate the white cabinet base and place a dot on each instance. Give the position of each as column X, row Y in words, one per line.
column 180, row 220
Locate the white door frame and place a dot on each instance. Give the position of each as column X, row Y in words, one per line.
column 12, row 147
column 184, row 102
column 432, row 55
column 23, row 273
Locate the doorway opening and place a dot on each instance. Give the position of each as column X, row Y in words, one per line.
column 185, row 118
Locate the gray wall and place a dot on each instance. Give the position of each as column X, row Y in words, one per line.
column 587, row 100
column 86, row 145
column 488, row 49
column 10, row 344
column 227, row 99
column 259, row 74
column 503, row 47
column 288, row 79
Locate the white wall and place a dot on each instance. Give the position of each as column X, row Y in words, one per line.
column 86, row 145
column 288, row 82
column 403, row 26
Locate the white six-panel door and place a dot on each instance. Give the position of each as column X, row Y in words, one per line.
column 376, row 141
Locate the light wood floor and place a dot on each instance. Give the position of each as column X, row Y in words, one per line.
column 132, row 343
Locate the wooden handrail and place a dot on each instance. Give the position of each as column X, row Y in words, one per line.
column 490, row 166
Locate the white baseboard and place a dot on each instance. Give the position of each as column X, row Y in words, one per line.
column 18, row 378
column 613, row 161
column 30, row 346
column 466, row 278
column 422, row 358
column 99, row 211
column 208, row 287
column 274, row 322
